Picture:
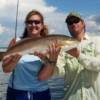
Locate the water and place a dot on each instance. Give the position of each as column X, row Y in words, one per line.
column 3, row 83
column 56, row 85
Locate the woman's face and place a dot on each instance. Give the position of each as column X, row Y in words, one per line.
column 34, row 26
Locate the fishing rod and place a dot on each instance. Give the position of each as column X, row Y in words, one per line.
column 13, row 72
column 17, row 9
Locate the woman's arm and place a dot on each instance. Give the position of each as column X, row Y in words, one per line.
column 12, row 43
column 46, row 71
column 49, row 63
column 9, row 61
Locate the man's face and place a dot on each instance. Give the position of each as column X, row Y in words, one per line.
column 75, row 26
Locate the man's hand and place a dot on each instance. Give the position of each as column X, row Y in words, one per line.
column 73, row 52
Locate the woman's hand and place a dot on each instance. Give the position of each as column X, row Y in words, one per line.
column 51, row 54
column 9, row 62
column 49, row 57
column 73, row 52
column 12, row 43
column 53, row 51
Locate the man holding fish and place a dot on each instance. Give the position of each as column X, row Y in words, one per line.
column 81, row 64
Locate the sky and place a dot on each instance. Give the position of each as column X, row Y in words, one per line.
column 54, row 12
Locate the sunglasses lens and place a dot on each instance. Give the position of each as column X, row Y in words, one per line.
column 33, row 21
column 70, row 21
column 37, row 22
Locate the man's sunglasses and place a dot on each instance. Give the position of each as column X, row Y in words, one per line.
column 73, row 20
column 33, row 22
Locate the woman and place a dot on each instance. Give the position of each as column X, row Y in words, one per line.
column 28, row 80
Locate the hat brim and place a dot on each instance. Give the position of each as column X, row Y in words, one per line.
column 72, row 18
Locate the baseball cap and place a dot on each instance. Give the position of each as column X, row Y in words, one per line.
column 73, row 15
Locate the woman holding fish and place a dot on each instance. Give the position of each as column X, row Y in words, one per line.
column 30, row 72
column 81, row 64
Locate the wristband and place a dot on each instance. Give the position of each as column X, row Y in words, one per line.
column 48, row 61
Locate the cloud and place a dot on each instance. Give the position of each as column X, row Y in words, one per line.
column 96, row 18
column 54, row 19
column 8, row 15
column 2, row 29
column 9, row 8
column 56, row 23
column 93, row 24
column 36, row 4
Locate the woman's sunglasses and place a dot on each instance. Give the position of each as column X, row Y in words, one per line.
column 33, row 22
column 73, row 20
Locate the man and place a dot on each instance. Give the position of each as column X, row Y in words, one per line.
column 81, row 64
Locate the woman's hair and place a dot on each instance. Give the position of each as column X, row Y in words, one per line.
column 44, row 31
